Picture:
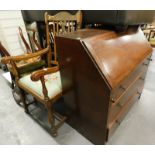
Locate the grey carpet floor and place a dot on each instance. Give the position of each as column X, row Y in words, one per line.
column 16, row 127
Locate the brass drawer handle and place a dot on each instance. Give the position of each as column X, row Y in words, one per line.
column 150, row 59
column 139, row 93
column 119, row 105
column 112, row 100
column 141, row 78
column 118, row 122
column 145, row 64
column 122, row 87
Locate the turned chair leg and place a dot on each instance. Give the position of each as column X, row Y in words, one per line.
column 140, row 94
column 16, row 95
column 51, row 119
column 52, row 116
column 53, row 128
column 23, row 98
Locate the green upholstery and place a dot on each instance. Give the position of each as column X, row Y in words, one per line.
column 31, row 67
column 152, row 41
column 53, row 84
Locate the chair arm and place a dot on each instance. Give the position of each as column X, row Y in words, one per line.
column 37, row 75
column 6, row 60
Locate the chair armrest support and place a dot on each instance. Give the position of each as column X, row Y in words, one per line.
column 37, row 75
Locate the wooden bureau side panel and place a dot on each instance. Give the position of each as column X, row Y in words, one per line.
column 91, row 94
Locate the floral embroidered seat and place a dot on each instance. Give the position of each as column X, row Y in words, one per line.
column 52, row 82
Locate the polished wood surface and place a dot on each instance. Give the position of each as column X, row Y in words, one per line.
column 134, row 45
column 123, row 87
column 106, row 69
column 114, row 44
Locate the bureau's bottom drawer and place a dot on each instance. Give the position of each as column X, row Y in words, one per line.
column 115, row 108
column 116, row 122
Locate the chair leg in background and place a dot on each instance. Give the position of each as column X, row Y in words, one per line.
column 23, row 98
column 51, row 119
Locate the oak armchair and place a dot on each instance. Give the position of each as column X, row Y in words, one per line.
column 44, row 85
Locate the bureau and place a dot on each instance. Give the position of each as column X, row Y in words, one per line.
column 106, row 72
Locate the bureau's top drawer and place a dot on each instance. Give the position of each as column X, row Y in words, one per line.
column 121, row 89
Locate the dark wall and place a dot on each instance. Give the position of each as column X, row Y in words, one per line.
column 38, row 15
column 111, row 17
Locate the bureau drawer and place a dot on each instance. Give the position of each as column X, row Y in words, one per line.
column 116, row 107
column 116, row 122
column 121, row 89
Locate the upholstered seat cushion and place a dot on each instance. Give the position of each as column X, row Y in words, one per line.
column 29, row 67
column 152, row 41
column 52, row 82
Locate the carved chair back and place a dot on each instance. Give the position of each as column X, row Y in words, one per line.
column 61, row 23
column 32, row 37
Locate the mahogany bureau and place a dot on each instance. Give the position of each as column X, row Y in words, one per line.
column 105, row 72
